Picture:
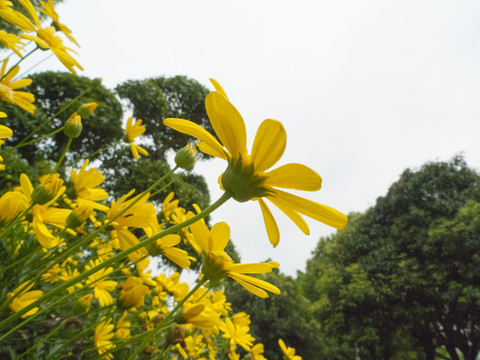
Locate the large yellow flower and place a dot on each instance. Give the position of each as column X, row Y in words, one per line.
column 86, row 182
column 8, row 89
column 47, row 39
column 246, row 176
column 218, row 264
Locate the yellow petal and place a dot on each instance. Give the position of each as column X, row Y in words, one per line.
column 294, row 176
column 169, row 240
column 269, row 144
column 218, row 87
column 259, row 268
column 207, row 149
column 293, row 215
column 5, row 132
column 200, row 232
column 320, row 212
column 256, row 282
column 219, row 236
column 227, row 123
column 195, row 130
column 270, row 224
column 254, row 290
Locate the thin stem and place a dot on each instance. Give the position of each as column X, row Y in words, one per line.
column 115, row 259
column 166, row 319
column 34, row 131
column 69, row 142
column 18, row 63
column 37, row 139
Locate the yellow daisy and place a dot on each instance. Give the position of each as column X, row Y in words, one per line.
column 86, row 182
column 24, row 298
column 12, row 42
column 246, row 176
column 289, row 352
column 103, row 335
column 218, row 264
column 49, row 10
column 46, row 39
column 8, row 89
column 133, row 131
column 14, row 17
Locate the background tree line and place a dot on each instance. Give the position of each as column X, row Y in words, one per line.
column 402, row 281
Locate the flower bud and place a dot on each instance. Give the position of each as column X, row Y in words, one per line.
column 86, row 110
column 186, row 157
column 175, row 335
column 78, row 216
column 48, row 188
column 73, row 126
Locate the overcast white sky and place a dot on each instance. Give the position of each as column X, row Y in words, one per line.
column 364, row 88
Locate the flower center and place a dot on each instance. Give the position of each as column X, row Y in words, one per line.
column 48, row 35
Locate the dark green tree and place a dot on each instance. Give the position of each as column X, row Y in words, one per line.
column 156, row 99
column 400, row 280
column 287, row 316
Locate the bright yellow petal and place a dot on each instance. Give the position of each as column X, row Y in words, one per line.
column 294, row 176
column 219, row 236
column 259, row 268
column 195, row 130
column 227, row 123
column 5, row 132
column 207, row 149
column 293, row 215
column 269, row 144
column 256, row 282
column 201, row 233
column 320, row 212
column 218, row 87
column 270, row 223
column 170, row 240
column 254, row 290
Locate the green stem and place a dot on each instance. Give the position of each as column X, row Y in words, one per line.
column 115, row 259
column 37, row 139
column 51, row 118
column 166, row 320
column 18, row 63
column 48, row 336
column 69, row 142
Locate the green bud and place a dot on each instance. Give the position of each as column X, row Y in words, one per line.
column 86, row 110
column 73, row 127
column 186, row 157
column 48, row 188
column 240, row 179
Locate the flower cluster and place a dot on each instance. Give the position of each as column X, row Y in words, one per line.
column 75, row 260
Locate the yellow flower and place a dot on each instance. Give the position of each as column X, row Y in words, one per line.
column 49, row 10
column 166, row 247
column 133, row 131
column 246, row 176
column 289, row 352
column 218, row 264
column 199, row 315
column 14, row 17
column 12, row 42
column 123, row 327
column 103, row 335
column 133, row 293
column 257, row 352
column 5, row 132
column 86, row 182
column 8, row 89
column 101, row 286
column 24, row 298
column 46, row 39
column 238, row 335
column 11, row 204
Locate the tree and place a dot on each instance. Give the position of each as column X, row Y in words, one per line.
column 287, row 316
column 402, row 276
column 155, row 99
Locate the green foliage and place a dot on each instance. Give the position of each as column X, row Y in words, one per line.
column 53, row 91
column 156, row 99
column 403, row 277
column 287, row 316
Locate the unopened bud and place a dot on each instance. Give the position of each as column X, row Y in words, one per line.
column 73, row 126
column 78, row 216
column 48, row 188
column 186, row 157
column 86, row 110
